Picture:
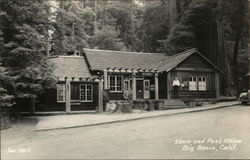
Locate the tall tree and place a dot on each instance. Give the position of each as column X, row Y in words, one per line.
column 213, row 27
column 73, row 27
column 24, row 29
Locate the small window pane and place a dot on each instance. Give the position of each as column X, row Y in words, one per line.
column 60, row 92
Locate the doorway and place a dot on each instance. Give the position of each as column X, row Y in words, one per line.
column 139, row 89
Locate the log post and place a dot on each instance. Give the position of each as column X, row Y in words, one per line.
column 217, row 84
column 156, row 87
column 105, row 74
column 100, row 96
column 134, row 86
column 67, row 95
column 168, row 85
column 32, row 104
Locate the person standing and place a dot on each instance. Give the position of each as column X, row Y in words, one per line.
column 176, row 84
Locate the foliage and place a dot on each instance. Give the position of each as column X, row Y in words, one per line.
column 154, row 26
column 23, row 48
column 107, row 38
column 73, row 27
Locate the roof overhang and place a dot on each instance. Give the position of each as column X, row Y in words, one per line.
column 131, row 70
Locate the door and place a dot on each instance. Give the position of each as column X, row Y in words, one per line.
column 146, row 89
column 139, row 89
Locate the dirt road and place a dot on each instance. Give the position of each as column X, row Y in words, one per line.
column 219, row 133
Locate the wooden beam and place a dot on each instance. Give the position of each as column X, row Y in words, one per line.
column 134, row 86
column 169, row 85
column 67, row 95
column 105, row 74
column 217, row 84
column 194, row 69
column 100, row 97
column 156, row 87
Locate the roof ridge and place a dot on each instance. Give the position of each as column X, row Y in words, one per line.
column 63, row 56
column 181, row 53
column 114, row 51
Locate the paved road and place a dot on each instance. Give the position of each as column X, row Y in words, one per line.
column 219, row 133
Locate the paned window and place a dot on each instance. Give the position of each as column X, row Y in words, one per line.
column 115, row 83
column 86, row 92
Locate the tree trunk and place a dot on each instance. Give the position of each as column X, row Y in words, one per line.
column 132, row 26
column 172, row 14
column 235, row 62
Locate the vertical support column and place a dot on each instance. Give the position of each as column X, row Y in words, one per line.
column 156, row 87
column 32, row 104
column 67, row 95
column 168, row 85
column 105, row 74
column 100, row 96
column 134, row 86
column 217, row 84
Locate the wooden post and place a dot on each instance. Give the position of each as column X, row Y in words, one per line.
column 217, row 84
column 168, row 85
column 32, row 104
column 156, row 87
column 134, row 86
column 67, row 95
column 100, row 97
column 105, row 74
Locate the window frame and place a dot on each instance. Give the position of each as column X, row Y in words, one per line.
column 194, row 80
column 202, row 85
column 86, row 94
column 115, row 86
column 63, row 90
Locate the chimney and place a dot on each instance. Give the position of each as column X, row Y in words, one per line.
column 74, row 53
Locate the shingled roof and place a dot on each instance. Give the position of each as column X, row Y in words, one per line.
column 70, row 66
column 172, row 61
column 103, row 59
column 79, row 67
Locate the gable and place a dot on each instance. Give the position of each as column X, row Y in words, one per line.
column 195, row 61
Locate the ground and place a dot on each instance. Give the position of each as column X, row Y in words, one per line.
column 219, row 133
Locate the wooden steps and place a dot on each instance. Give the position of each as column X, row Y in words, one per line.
column 174, row 104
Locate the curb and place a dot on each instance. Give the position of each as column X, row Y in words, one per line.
column 134, row 119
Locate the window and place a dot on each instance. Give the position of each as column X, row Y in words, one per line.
column 192, row 83
column 86, row 92
column 197, row 83
column 115, row 83
column 60, row 92
column 146, row 85
column 202, row 84
column 126, row 85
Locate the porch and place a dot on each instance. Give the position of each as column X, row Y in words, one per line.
column 125, row 83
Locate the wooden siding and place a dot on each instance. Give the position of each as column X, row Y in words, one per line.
column 195, row 61
column 48, row 102
column 195, row 94
column 116, row 96
column 184, row 78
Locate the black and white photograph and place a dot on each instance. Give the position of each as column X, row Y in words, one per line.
column 124, row 79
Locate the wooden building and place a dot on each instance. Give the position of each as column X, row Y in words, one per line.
column 81, row 79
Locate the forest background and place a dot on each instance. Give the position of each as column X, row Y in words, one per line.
column 32, row 30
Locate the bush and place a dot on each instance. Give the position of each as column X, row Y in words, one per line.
column 4, row 117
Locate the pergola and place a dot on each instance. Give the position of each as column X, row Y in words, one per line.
column 133, row 72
